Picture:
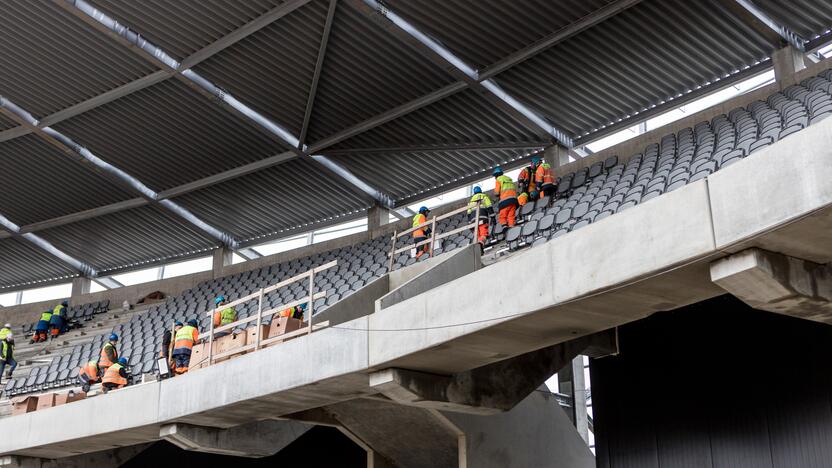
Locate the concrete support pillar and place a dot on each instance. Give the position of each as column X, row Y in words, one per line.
column 787, row 61
column 556, row 155
column 255, row 440
column 223, row 257
column 80, row 286
column 489, row 389
column 571, row 382
column 377, row 216
column 777, row 283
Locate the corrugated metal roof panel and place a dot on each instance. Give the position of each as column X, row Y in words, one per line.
column 367, row 71
column 6, row 123
column 295, row 193
column 40, row 182
column 407, row 175
column 642, row 57
column 463, row 118
column 808, row 18
column 272, row 69
column 25, row 266
column 51, row 60
column 476, row 31
column 128, row 238
column 168, row 135
column 182, row 27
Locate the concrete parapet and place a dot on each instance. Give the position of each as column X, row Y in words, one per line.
column 777, row 283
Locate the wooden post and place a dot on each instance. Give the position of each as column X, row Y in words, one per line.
column 211, row 338
column 477, row 224
column 259, row 321
column 393, row 250
column 311, row 297
column 432, row 235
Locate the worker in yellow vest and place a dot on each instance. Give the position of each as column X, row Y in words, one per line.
column 506, row 192
column 42, row 327
column 223, row 316
column 485, row 213
column 7, row 329
column 423, row 233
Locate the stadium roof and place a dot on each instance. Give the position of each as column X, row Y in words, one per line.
column 139, row 132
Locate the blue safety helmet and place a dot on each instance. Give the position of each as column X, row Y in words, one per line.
column 424, row 209
column 192, row 322
column 303, row 306
column 535, row 161
column 65, row 303
column 177, row 324
column 218, row 300
column 477, row 189
column 498, row 171
column 113, row 337
column 122, row 361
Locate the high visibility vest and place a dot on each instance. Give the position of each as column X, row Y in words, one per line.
column 90, row 370
column 523, row 199
column 46, row 316
column 482, row 198
column 506, row 188
column 227, row 316
column 103, row 360
column 293, row 312
column 4, row 332
column 527, row 178
column 7, row 351
column 544, row 175
column 185, row 337
column 417, row 220
column 113, row 375
column 59, row 310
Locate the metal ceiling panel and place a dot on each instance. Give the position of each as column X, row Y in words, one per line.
column 168, row 135
column 482, row 33
column 40, row 182
column 25, row 266
column 367, row 71
column 409, row 175
column 182, row 27
column 272, row 69
column 129, row 239
column 808, row 18
column 463, row 118
column 644, row 56
column 50, row 60
column 281, row 198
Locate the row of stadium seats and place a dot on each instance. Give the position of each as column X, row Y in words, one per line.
column 582, row 197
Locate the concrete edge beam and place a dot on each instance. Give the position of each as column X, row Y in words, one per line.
column 255, row 440
column 777, row 283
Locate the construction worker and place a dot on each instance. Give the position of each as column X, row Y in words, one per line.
column 505, row 190
column 295, row 312
column 42, row 327
column 223, row 316
column 109, row 353
column 88, row 374
column 486, row 211
column 7, row 355
column 545, row 180
column 526, row 179
column 523, row 199
column 115, row 376
column 183, row 342
column 167, row 340
column 421, row 234
column 7, row 328
column 57, row 323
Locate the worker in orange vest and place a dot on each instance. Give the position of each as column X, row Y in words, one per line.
column 526, row 180
column 506, row 192
column 295, row 312
column 421, row 234
column 545, row 180
column 115, row 376
column 109, row 353
column 183, row 343
column 88, row 374
column 523, row 199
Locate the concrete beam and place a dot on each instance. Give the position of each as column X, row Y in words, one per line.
column 787, row 61
column 489, row 389
column 222, row 258
column 255, row 440
column 777, row 283
column 104, row 459
column 377, row 216
column 556, row 156
column 80, row 286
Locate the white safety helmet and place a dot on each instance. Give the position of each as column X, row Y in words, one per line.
column 8, row 325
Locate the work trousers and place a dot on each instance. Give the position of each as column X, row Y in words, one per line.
column 508, row 215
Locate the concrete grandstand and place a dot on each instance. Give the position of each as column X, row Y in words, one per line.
column 210, row 129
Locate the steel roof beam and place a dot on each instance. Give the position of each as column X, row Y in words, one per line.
column 759, row 20
column 476, row 146
column 443, row 57
column 316, row 76
column 46, row 246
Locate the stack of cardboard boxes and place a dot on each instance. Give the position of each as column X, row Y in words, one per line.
column 279, row 326
column 29, row 403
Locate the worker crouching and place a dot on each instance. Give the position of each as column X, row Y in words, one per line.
column 88, row 375
column 183, row 344
column 115, row 376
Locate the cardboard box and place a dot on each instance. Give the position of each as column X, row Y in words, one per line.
column 47, row 400
column 251, row 334
column 24, row 404
column 199, row 356
column 282, row 325
column 69, row 397
column 229, row 343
